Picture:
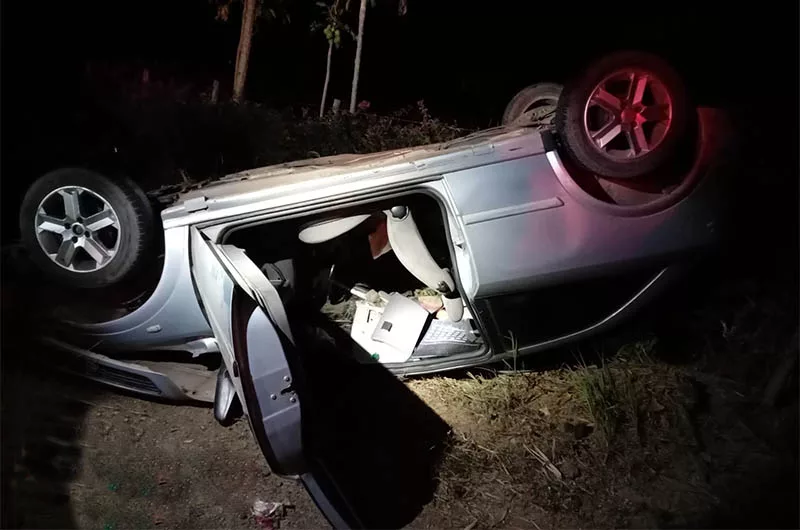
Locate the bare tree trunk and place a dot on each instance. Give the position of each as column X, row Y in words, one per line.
column 243, row 52
column 215, row 92
column 327, row 79
column 362, row 14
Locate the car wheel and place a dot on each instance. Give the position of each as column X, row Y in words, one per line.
column 534, row 104
column 625, row 116
column 84, row 230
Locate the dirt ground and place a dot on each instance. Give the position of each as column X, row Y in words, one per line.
column 525, row 453
column 683, row 418
column 91, row 458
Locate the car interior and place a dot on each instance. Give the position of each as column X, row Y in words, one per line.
column 375, row 280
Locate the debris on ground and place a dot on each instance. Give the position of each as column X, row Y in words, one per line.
column 542, row 459
column 268, row 515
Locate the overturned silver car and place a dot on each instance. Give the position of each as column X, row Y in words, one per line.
column 502, row 243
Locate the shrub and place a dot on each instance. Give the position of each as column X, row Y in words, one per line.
column 166, row 141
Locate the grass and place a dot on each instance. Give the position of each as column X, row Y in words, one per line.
column 553, row 437
column 614, row 394
column 514, row 348
column 605, row 395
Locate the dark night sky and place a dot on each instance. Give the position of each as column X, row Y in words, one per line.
column 466, row 59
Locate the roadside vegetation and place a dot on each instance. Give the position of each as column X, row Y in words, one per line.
column 686, row 417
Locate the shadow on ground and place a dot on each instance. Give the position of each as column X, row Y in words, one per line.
column 41, row 425
column 76, row 455
column 379, row 441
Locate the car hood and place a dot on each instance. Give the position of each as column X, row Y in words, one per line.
column 291, row 182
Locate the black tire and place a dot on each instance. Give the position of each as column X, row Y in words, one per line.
column 539, row 94
column 575, row 140
column 133, row 243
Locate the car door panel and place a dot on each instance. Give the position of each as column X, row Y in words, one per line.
column 241, row 304
column 215, row 289
column 364, row 446
column 237, row 319
column 525, row 231
column 267, row 377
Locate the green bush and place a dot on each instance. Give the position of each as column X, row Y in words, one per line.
column 168, row 141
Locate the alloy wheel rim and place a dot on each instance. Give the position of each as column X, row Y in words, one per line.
column 77, row 229
column 628, row 114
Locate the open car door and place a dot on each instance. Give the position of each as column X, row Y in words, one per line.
column 362, row 444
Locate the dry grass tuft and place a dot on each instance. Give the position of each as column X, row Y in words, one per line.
column 560, row 438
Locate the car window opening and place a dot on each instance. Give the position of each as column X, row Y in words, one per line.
column 376, row 282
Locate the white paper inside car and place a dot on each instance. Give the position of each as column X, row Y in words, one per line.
column 364, row 323
column 401, row 324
